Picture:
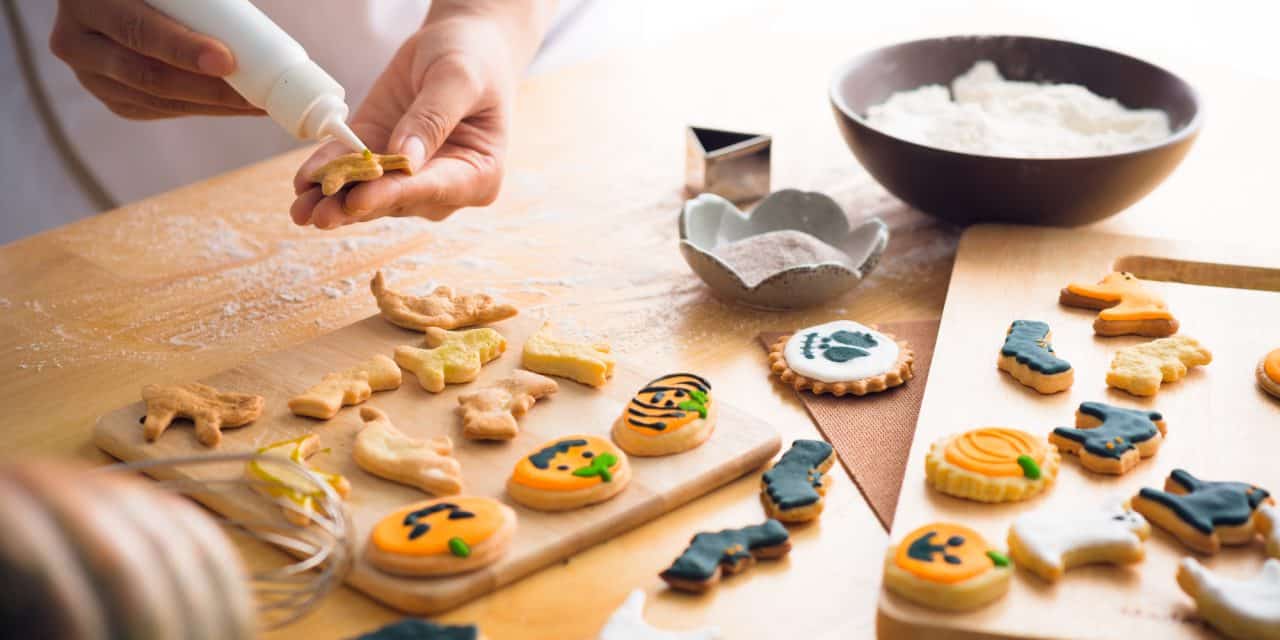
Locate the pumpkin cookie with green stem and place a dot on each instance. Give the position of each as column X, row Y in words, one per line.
column 569, row 472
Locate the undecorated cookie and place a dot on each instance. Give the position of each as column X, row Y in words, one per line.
column 1127, row 308
column 841, row 357
column 492, row 413
column 1050, row 541
column 442, row 308
column 350, row 387
column 671, row 414
column 992, row 464
column 1141, row 368
column 590, row 364
column 442, row 537
column 451, row 357
column 210, row 409
column 947, row 566
column 382, row 450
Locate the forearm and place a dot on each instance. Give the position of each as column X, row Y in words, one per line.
column 524, row 22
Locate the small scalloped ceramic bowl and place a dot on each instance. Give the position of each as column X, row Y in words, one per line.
column 709, row 221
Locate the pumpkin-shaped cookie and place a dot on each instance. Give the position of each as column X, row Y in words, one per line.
column 569, row 472
column 946, row 566
column 441, row 537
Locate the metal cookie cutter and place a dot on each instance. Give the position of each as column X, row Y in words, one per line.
column 731, row 164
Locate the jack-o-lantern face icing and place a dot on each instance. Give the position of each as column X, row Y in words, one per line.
column 947, row 554
column 668, row 403
column 1121, row 296
column 569, row 464
column 436, row 527
column 998, row 452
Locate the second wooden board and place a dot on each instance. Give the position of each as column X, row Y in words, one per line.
column 1221, row 426
column 740, row 444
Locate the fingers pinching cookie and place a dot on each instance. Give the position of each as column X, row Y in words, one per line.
column 841, row 357
column 1141, row 368
column 297, row 493
column 568, row 473
column 382, row 450
column 441, row 308
column 210, row 409
column 671, row 414
column 1269, row 373
column 1027, row 356
column 1201, row 514
column 492, row 412
column 1111, row 439
column 1269, row 526
column 1241, row 609
column 451, row 357
column 441, row 537
column 794, row 489
column 590, row 364
column 1127, row 308
column 349, row 387
column 1050, row 541
column 992, row 464
column 357, row 167
column 711, row 555
column 947, row 566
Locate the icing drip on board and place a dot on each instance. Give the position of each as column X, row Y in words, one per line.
column 841, row 351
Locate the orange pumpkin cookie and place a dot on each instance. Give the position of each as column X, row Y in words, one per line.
column 671, row 414
column 442, row 537
column 569, row 472
column 1127, row 308
column 992, row 464
column 1269, row 373
column 947, row 566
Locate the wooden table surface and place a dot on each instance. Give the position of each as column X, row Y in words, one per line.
column 194, row 281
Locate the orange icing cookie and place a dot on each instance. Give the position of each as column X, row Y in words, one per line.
column 667, row 404
column 435, row 527
column 1271, row 366
column 1125, row 297
column 946, row 553
column 996, row 452
column 569, row 464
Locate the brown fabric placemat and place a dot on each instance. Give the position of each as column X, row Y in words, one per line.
column 872, row 434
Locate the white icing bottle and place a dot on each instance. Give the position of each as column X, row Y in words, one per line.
column 273, row 72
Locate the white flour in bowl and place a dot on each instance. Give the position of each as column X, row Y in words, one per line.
column 987, row 115
column 760, row 256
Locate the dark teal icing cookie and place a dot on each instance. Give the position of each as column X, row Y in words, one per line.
column 419, row 629
column 543, row 458
column 1209, row 504
column 793, row 482
column 1121, row 428
column 1026, row 343
column 708, row 551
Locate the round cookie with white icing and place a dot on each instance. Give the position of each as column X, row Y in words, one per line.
column 947, row 566
column 841, row 357
column 1050, row 541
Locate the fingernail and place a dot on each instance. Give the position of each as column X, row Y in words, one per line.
column 215, row 63
column 416, row 150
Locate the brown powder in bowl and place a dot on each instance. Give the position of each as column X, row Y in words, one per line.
column 760, row 256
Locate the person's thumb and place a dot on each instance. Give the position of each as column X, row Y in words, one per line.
column 449, row 91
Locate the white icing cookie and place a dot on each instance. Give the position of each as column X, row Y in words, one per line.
column 1241, row 609
column 1048, row 542
column 841, row 351
column 628, row 623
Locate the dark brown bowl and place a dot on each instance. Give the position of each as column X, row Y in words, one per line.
column 966, row 188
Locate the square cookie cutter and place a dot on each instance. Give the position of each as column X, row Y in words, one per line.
column 730, row 164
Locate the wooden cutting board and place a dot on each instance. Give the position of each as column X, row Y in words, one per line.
column 1221, row 426
column 740, row 444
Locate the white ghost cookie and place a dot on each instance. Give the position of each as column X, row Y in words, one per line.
column 1048, row 542
column 1241, row 609
column 627, row 623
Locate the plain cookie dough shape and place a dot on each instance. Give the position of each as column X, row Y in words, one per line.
column 382, row 450
column 492, row 413
column 344, row 388
column 590, row 364
column 442, row 537
column 1241, row 609
column 1127, row 308
column 627, row 623
column 1141, row 368
column 1048, row 542
column 947, row 566
column 442, row 308
column 841, row 357
column 452, row 357
column 569, row 472
column 211, row 410
column 357, row 167
column 671, row 414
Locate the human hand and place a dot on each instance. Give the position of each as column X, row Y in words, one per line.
column 444, row 101
column 142, row 64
